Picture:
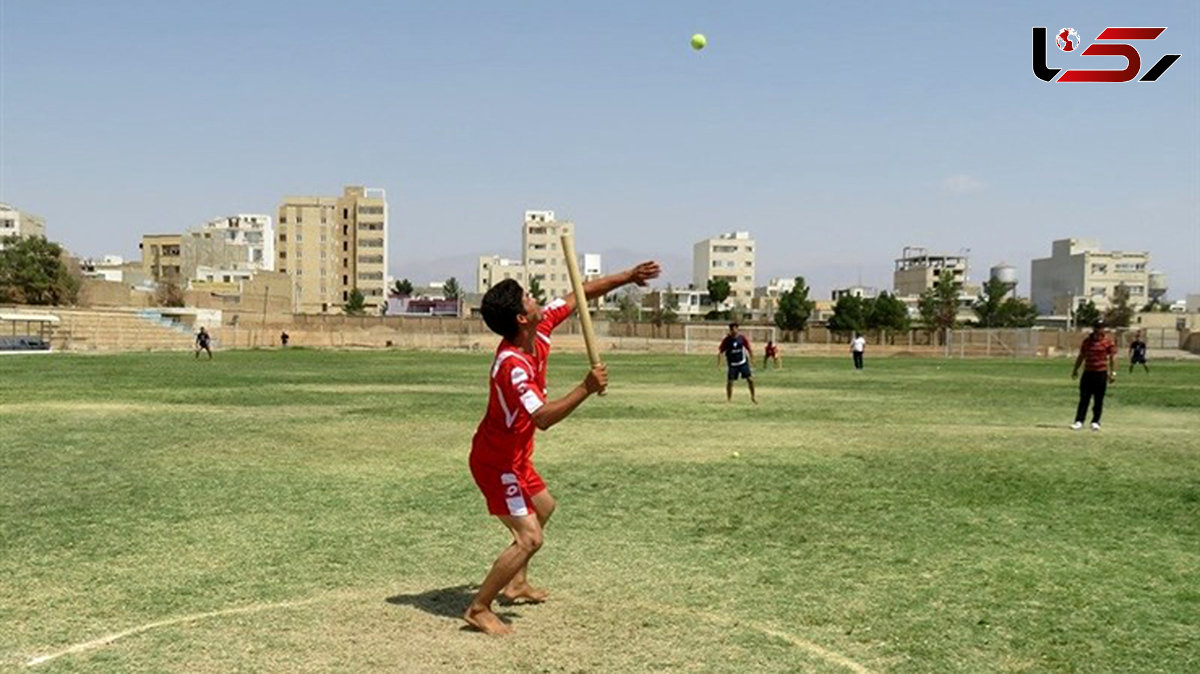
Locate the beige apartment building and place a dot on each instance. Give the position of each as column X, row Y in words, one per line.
column 328, row 246
column 731, row 257
column 918, row 270
column 14, row 222
column 1078, row 270
column 493, row 269
column 162, row 257
column 542, row 252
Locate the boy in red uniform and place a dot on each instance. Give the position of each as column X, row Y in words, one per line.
column 502, row 449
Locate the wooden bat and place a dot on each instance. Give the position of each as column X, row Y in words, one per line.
column 581, row 302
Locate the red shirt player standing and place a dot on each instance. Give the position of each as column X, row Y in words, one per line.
column 502, row 449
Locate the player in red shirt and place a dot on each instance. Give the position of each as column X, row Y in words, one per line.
column 1098, row 356
column 502, row 449
column 771, row 353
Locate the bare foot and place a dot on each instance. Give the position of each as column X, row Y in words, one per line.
column 754, row 400
column 485, row 621
column 526, row 593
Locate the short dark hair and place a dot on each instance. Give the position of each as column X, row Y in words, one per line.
column 1098, row 324
column 733, row 326
column 500, row 307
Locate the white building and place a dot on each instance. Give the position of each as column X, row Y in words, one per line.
column 592, row 268
column 254, row 231
column 493, row 269
column 107, row 268
column 1078, row 270
column 731, row 257
column 542, row 254
column 18, row 223
column 864, row 292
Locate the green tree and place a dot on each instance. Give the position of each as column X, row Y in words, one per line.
column 169, row 293
column 1086, row 314
column 849, row 314
column 628, row 309
column 667, row 310
column 450, row 289
column 403, row 287
column 536, row 291
column 987, row 307
column 35, row 271
column 718, row 290
column 939, row 304
column 1017, row 313
column 888, row 313
column 794, row 307
column 1119, row 314
column 356, row 305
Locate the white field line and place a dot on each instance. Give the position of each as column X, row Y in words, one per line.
column 106, row 640
column 803, row 644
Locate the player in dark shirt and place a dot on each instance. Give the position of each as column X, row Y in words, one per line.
column 737, row 352
column 1137, row 353
column 202, row 343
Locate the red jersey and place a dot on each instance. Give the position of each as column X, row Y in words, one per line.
column 772, row 350
column 504, row 438
column 1096, row 353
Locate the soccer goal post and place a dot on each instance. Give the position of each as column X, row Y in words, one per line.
column 705, row 338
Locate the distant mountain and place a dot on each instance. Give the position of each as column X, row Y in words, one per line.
column 677, row 269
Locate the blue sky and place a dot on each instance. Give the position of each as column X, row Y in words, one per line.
column 836, row 134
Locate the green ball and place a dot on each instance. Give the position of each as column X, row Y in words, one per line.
column 698, row 41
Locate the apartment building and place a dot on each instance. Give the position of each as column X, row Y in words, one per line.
column 918, row 270
column 329, row 246
column 731, row 257
column 162, row 257
column 1078, row 270
column 493, row 269
column 541, row 252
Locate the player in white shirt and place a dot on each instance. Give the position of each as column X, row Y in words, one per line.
column 857, row 346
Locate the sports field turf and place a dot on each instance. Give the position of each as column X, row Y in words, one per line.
column 312, row 511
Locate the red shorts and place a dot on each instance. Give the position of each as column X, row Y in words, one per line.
column 510, row 490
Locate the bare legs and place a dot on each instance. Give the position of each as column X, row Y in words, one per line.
column 729, row 390
column 509, row 571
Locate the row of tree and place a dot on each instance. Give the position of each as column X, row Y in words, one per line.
column 34, row 270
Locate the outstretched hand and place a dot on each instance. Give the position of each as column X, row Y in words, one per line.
column 644, row 272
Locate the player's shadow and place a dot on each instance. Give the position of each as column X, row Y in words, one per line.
column 446, row 602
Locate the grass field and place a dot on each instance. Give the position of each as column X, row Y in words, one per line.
column 312, row 511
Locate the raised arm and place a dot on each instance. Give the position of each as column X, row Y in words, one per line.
column 640, row 275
